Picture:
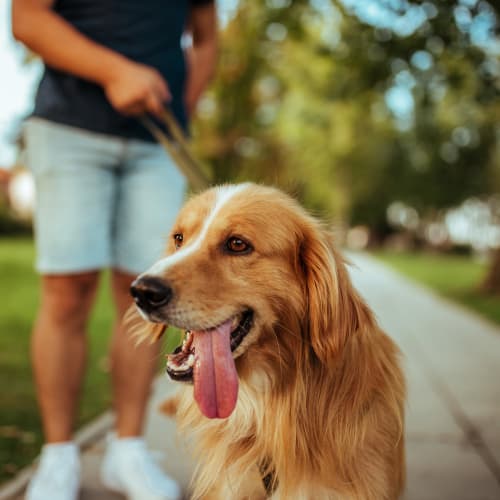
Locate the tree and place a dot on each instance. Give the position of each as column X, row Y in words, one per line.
column 352, row 112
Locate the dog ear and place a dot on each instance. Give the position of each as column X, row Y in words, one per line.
column 334, row 309
column 141, row 329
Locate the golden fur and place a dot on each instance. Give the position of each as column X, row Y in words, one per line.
column 321, row 393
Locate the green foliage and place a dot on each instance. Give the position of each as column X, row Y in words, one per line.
column 302, row 100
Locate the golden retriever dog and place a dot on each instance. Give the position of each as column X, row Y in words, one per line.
column 292, row 390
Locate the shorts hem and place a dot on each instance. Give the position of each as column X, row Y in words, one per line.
column 44, row 269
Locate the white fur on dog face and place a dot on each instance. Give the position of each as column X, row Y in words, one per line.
column 224, row 194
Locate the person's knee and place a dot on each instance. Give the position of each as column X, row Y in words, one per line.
column 67, row 299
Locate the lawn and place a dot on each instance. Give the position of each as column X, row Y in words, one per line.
column 20, row 428
column 452, row 276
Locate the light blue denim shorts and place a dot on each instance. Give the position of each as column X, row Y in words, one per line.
column 101, row 201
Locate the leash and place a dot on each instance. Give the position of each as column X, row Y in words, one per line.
column 177, row 146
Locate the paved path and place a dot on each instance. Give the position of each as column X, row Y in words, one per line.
column 452, row 361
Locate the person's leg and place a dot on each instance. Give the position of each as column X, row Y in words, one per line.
column 132, row 366
column 74, row 199
column 150, row 194
column 58, row 348
column 75, row 194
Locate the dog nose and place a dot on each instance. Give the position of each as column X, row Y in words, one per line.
column 150, row 292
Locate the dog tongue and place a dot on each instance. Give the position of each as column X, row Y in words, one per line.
column 214, row 376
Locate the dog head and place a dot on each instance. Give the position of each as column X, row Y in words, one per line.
column 250, row 276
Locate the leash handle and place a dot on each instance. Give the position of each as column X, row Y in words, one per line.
column 177, row 148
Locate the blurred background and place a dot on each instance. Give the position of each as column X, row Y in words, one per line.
column 381, row 116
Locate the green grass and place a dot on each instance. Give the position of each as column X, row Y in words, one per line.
column 20, row 426
column 454, row 277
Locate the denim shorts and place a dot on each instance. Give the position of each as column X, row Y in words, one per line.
column 101, row 201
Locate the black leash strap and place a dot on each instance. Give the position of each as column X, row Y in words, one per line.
column 178, row 148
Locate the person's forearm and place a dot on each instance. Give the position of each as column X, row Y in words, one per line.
column 202, row 55
column 202, row 61
column 60, row 45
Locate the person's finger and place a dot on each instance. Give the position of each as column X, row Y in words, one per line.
column 163, row 90
column 134, row 109
column 133, row 103
column 154, row 105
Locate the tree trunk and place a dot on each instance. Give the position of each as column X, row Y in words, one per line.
column 491, row 284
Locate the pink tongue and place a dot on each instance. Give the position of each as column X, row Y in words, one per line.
column 215, row 378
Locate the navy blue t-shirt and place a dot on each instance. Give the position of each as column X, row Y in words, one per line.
column 146, row 31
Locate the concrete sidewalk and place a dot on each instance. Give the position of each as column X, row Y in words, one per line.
column 452, row 362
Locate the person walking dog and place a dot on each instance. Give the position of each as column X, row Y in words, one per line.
column 104, row 192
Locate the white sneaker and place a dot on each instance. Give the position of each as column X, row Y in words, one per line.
column 129, row 468
column 58, row 473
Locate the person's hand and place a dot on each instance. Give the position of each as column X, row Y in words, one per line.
column 136, row 88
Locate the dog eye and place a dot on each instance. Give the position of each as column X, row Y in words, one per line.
column 178, row 238
column 237, row 245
